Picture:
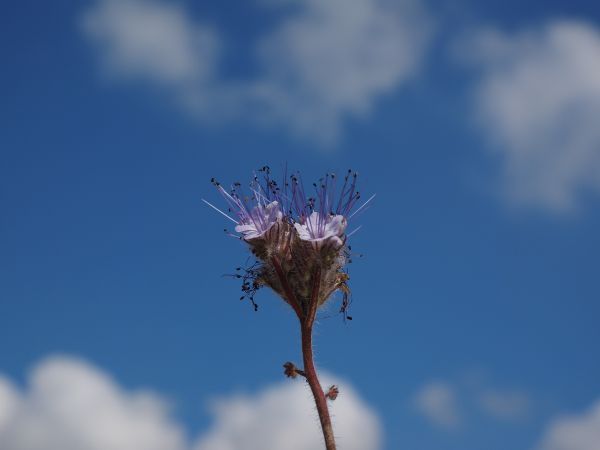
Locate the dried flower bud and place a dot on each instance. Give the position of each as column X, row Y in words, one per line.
column 291, row 371
column 332, row 393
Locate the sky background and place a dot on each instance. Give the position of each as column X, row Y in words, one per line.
column 476, row 303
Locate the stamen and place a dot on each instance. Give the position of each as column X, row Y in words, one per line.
column 362, row 206
column 354, row 231
column 219, row 211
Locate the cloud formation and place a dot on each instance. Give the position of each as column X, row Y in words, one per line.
column 506, row 405
column 70, row 405
column 451, row 405
column 8, row 402
column 323, row 63
column 334, row 59
column 280, row 418
column 154, row 42
column 574, row 432
column 438, row 402
column 538, row 102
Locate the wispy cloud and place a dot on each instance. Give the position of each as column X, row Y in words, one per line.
column 505, row 404
column 154, row 41
column 451, row 405
column 69, row 404
column 334, row 59
column 438, row 402
column 323, row 63
column 574, row 432
column 538, row 102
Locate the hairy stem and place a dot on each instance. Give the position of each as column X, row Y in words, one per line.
column 309, row 366
column 315, row 386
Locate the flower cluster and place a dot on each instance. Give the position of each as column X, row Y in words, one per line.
column 300, row 241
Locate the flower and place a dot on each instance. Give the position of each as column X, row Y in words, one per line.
column 300, row 242
column 259, row 220
column 322, row 229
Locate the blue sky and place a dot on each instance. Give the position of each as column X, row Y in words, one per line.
column 476, row 302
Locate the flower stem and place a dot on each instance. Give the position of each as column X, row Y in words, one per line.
column 315, row 386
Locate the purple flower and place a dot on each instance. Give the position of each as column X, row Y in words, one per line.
column 322, row 229
column 299, row 241
column 255, row 223
column 324, row 216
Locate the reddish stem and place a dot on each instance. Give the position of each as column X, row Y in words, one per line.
column 307, row 320
column 306, row 326
column 315, row 386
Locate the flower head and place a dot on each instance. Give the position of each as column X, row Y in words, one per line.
column 255, row 223
column 300, row 241
column 322, row 229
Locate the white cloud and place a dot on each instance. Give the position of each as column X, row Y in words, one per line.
column 152, row 40
column 333, row 59
column 507, row 405
column 438, row 402
column 451, row 405
column 324, row 62
column 575, row 432
column 284, row 417
column 8, row 402
column 538, row 100
column 70, row 405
